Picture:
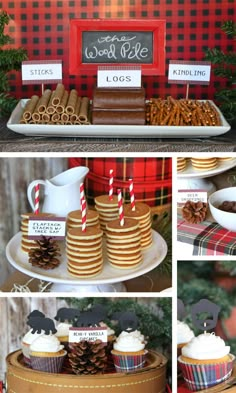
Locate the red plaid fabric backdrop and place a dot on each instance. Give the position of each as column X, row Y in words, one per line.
column 42, row 27
column 152, row 178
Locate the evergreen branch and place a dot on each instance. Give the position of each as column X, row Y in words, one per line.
column 217, row 56
column 11, row 59
column 7, row 104
column 229, row 27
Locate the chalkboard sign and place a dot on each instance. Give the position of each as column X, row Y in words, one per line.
column 117, row 47
column 99, row 42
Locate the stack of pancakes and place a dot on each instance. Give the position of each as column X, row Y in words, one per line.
column 74, row 219
column 26, row 243
column 84, row 251
column 107, row 209
column 124, row 243
column 142, row 214
column 204, row 163
column 181, row 163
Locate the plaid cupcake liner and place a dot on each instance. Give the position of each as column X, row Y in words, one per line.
column 128, row 363
column 203, row 376
column 47, row 364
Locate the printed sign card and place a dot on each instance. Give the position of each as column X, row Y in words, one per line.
column 191, row 195
column 50, row 227
column 189, row 72
column 119, row 77
column 39, row 72
column 87, row 334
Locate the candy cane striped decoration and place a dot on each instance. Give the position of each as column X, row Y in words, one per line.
column 36, row 199
column 120, row 205
column 81, row 188
column 83, row 215
column 111, row 184
column 131, row 192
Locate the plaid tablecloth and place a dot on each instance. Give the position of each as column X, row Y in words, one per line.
column 207, row 238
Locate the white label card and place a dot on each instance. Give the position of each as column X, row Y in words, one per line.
column 119, row 78
column 191, row 195
column 189, row 72
column 39, row 72
column 88, row 334
column 55, row 228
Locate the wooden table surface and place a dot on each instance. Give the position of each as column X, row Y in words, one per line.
column 14, row 142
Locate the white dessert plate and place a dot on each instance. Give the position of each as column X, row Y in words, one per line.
column 111, row 131
column 152, row 257
column 190, row 172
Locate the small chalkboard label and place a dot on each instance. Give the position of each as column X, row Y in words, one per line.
column 97, row 42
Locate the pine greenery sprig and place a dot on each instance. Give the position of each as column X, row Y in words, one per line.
column 225, row 63
column 10, row 59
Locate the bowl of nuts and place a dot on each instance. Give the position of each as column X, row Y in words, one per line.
column 222, row 205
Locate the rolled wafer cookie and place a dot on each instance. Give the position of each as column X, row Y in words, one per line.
column 61, row 107
column 58, row 94
column 84, row 109
column 71, row 104
column 30, row 106
column 44, row 100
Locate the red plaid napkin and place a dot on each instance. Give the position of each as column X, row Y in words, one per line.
column 207, row 238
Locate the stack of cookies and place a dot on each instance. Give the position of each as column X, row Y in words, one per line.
column 124, row 243
column 74, row 219
column 107, row 209
column 181, row 163
column 142, row 213
column 84, row 251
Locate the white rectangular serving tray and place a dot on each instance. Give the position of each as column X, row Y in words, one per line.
column 112, row 131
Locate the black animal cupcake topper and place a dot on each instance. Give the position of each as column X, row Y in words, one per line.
column 128, row 320
column 35, row 313
column 209, row 311
column 181, row 312
column 39, row 324
column 67, row 314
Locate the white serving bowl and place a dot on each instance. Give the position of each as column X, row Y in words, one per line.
column 225, row 219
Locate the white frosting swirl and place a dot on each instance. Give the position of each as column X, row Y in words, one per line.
column 46, row 343
column 129, row 342
column 184, row 333
column 206, row 346
column 29, row 337
column 63, row 329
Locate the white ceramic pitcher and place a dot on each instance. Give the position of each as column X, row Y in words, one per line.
column 61, row 192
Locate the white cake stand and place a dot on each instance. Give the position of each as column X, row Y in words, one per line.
column 109, row 280
column 192, row 179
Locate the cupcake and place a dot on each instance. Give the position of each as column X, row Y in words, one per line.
column 129, row 352
column 47, row 354
column 27, row 340
column 205, row 361
column 184, row 335
column 63, row 333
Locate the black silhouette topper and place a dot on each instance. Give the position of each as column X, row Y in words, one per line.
column 128, row 320
column 88, row 319
column 67, row 314
column 39, row 324
column 35, row 313
column 207, row 307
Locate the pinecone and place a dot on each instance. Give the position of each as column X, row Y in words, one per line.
column 87, row 357
column 45, row 256
column 194, row 212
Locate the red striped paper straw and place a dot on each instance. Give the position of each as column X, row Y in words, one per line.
column 120, row 205
column 111, row 184
column 36, row 199
column 83, row 215
column 81, row 188
column 131, row 192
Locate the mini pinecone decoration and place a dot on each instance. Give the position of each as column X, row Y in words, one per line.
column 45, row 256
column 87, row 357
column 194, row 212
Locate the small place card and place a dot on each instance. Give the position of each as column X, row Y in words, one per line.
column 50, row 227
column 39, row 72
column 191, row 72
column 191, row 195
column 119, row 77
column 88, row 334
